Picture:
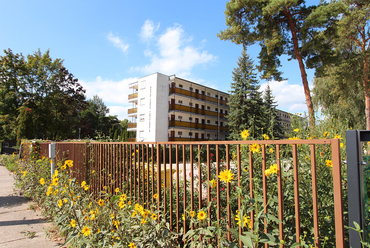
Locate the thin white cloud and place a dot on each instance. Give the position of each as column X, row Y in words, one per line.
column 289, row 97
column 174, row 54
column 113, row 93
column 147, row 30
column 118, row 42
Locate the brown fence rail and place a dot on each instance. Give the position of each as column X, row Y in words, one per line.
column 180, row 174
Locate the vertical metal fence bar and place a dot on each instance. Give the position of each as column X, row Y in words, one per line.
column 147, row 174
column 184, row 174
column 264, row 186
column 239, row 185
column 143, row 173
column 296, row 194
column 171, row 185
column 138, row 178
column 159, row 199
column 209, row 188
column 218, row 189
column 228, row 193
column 130, row 169
column 152, row 160
column 280, row 193
column 177, row 190
column 191, row 182
column 164, row 181
column 314, row 197
column 135, row 172
column 337, row 186
column 251, row 194
column 124, row 163
column 200, row 177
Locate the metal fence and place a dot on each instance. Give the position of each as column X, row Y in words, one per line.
column 180, row 175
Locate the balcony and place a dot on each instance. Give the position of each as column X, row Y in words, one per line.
column 173, row 123
column 131, row 140
column 197, row 96
column 132, row 125
column 132, row 111
column 195, row 110
column 132, row 96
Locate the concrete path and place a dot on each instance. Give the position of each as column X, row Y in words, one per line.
column 21, row 224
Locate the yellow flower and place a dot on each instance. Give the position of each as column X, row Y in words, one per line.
column 73, row 223
column 121, row 204
column 134, row 214
column 192, row 214
column 55, row 192
column 117, row 190
column 183, row 217
column 246, row 221
column 213, row 183
column 42, row 181
column 83, row 184
column 65, row 200
column 226, row 176
column 64, row 167
column 69, row 163
column 60, row 203
column 56, row 173
column 267, row 173
column 143, row 221
column 86, row 187
column 54, row 182
column 92, row 217
column 93, row 171
column 326, row 134
column 123, row 197
column 294, row 138
column 245, row 134
column 101, row 202
column 296, row 130
column 129, row 203
column 271, row 150
column 155, row 196
column 201, row 215
column 154, row 216
column 132, row 245
column 255, row 148
column 86, row 231
column 341, row 145
column 24, row 173
column 329, row 163
column 115, row 223
column 266, row 137
column 338, row 136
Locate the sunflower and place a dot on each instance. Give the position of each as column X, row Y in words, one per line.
column 192, row 214
column 42, row 181
column 73, row 223
column 226, row 176
column 154, row 216
column 202, row 215
column 244, row 134
column 86, row 231
column 255, row 148
column 101, row 202
column 329, row 163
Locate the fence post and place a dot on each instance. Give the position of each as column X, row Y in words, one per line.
column 355, row 184
column 52, row 157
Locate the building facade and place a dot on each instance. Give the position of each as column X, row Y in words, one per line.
column 168, row 108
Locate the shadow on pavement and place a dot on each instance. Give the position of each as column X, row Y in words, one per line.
column 22, row 222
column 13, row 200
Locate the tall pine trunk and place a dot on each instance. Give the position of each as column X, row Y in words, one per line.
column 302, row 68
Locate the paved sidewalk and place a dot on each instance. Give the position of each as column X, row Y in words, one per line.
column 20, row 226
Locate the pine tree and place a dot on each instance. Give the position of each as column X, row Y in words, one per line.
column 246, row 105
column 271, row 116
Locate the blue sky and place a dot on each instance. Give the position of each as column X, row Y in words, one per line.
column 108, row 44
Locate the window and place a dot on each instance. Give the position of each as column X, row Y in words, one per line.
column 208, row 107
column 180, row 85
column 221, row 111
column 208, row 135
column 221, row 98
column 190, row 118
column 221, row 123
column 179, row 133
column 142, row 119
column 179, row 117
column 190, row 134
column 225, row 112
column 216, row 122
column 180, row 101
column 203, row 121
column 190, row 104
column 191, row 88
column 142, row 84
column 216, row 96
column 197, row 91
column 208, row 121
column 141, row 134
column 142, row 101
column 226, row 99
column 216, row 109
column 203, row 92
column 208, row 94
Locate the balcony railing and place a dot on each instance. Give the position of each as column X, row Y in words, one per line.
column 195, row 125
column 197, row 96
column 132, row 111
column 132, row 96
column 195, row 110
column 132, row 125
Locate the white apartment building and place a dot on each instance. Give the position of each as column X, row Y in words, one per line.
column 168, row 108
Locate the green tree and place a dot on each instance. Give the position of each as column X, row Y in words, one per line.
column 279, row 27
column 246, row 105
column 271, row 116
column 13, row 92
column 351, row 41
column 39, row 97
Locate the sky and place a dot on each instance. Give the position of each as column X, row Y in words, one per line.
column 109, row 44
